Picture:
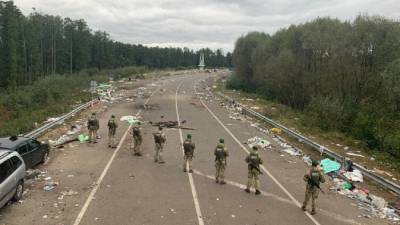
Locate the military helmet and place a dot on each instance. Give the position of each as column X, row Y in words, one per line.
column 255, row 148
column 112, row 116
column 160, row 128
column 93, row 113
column 139, row 123
column 314, row 163
column 189, row 136
column 221, row 140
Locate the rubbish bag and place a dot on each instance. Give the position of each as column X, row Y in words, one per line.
column 83, row 138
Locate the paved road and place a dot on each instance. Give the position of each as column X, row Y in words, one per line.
column 134, row 190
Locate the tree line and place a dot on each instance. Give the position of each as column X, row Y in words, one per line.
column 344, row 76
column 38, row 45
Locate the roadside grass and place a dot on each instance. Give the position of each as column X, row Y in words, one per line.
column 25, row 107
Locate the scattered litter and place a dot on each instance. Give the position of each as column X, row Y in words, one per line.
column 329, row 165
column 258, row 142
column 355, row 175
column 276, row 130
column 233, row 216
column 354, row 154
column 45, row 217
column 69, row 193
column 307, row 160
column 292, row 151
column 50, row 185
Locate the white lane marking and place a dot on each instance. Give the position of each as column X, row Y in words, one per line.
column 242, row 186
column 103, row 174
column 191, row 181
column 262, row 167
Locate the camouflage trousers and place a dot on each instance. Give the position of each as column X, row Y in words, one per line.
column 111, row 139
column 158, row 157
column 92, row 135
column 253, row 179
column 220, row 171
column 187, row 160
column 135, row 145
column 313, row 194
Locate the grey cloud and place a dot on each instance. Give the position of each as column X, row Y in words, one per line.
column 202, row 23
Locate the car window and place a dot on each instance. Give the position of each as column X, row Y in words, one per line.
column 5, row 169
column 34, row 144
column 22, row 149
column 16, row 162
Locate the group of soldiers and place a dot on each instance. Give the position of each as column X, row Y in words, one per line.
column 313, row 177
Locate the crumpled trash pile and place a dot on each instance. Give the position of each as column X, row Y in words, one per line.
column 131, row 119
column 345, row 182
column 69, row 136
column 258, row 142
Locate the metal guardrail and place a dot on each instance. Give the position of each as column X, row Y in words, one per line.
column 39, row 131
column 367, row 173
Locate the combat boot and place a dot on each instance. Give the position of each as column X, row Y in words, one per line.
column 222, row 182
column 190, row 171
column 303, row 208
column 257, row 192
column 247, row 190
column 313, row 212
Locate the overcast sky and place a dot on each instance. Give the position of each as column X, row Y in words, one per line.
column 202, row 23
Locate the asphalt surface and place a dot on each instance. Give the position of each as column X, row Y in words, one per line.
column 134, row 190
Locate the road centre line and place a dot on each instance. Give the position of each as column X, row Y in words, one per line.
column 297, row 203
column 108, row 165
column 190, row 176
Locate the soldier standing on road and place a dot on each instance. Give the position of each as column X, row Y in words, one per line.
column 253, row 160
column 93, row 126
column 159, row 139
column 112, row 128
column 221, row 154
column 136, row 140
column 313, row 178
column 188, row 147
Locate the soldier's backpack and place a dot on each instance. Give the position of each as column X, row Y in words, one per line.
column 314, row 177
column 219, row 153
column 92, row 122
column 158, row 138
column 188, row 147
column 254, row 161
column 112, row 125
column 136, row 131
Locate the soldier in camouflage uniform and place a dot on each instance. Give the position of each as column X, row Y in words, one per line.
column 93, row 126
column 221, row 154
column 137, row 139
column 253, row 160
column 313, row 178
column 188, row 147
column 112, row 128
column 159, row 139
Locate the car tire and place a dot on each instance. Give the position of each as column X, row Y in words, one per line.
column 45, row 157
column 19, row 191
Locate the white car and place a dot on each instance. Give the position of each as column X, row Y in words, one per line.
column 12, row 174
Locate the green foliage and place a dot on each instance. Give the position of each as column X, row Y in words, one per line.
column 21, row 107
column 344, row 75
